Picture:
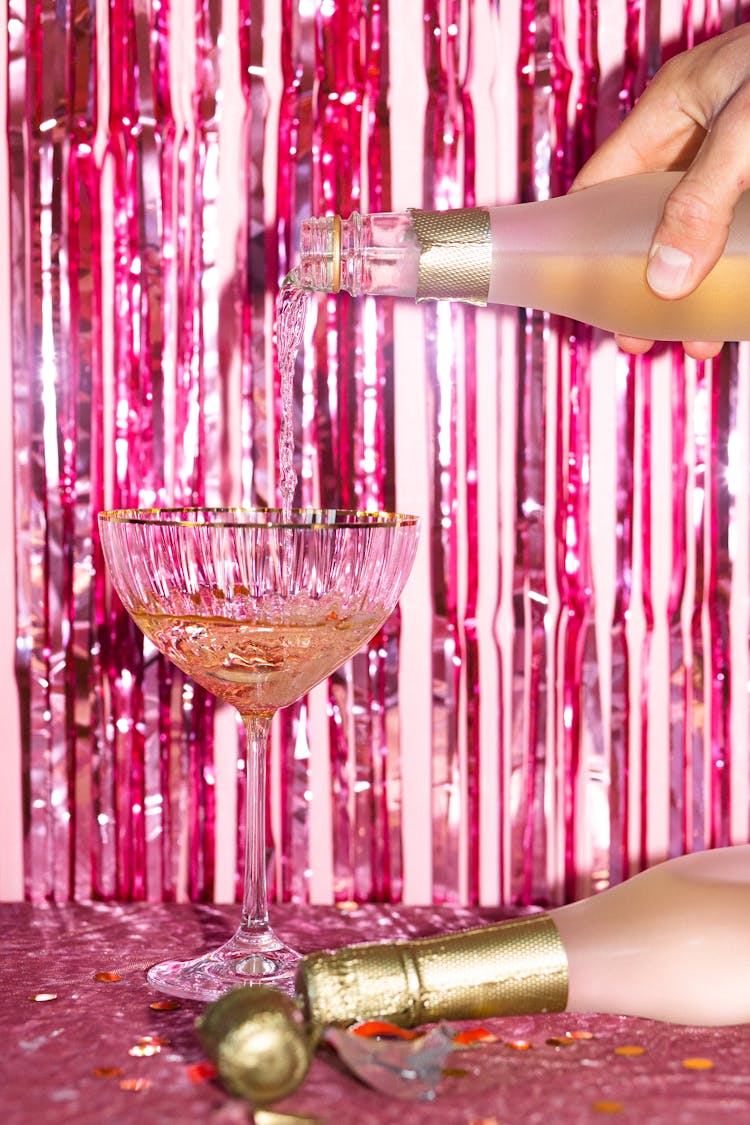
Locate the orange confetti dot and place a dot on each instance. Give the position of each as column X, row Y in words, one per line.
column 629, row 1050
column 454, row 1072
column 608, row 1107
column 474, row 1035
column 560, row 1041
column 135, row 1084
column 518, row 1044
column 347, row 907
column 581, row 1034
column 201, row 1071
column 372, row 1029
column 107, row 977
column 697, row 1064
column 165, row 1005
column 42, row 997
column 106, row 1071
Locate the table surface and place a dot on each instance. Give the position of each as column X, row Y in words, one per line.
column 78, row 1056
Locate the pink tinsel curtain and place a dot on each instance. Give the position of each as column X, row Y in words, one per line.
column 575, row 684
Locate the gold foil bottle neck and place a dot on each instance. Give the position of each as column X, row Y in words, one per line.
column 511, row 968
column 455, row 261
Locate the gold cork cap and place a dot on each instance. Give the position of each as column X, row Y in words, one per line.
column 257, row 1039
column 511, row 968
column 455, row 261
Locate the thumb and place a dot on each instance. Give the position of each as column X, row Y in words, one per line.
column 690, row 237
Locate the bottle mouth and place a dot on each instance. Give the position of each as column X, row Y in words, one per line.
column 320, row 254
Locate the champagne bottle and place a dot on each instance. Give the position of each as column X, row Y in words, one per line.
column 668, row 944
column 581, row 255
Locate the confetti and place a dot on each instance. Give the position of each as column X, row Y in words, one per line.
column 347, row 907
column 518, row 1044
column 371, row 1029
column 454, row 1072
column 106, row 1071
column 201, row 1071
column 143, row 1052
column 42, row 997
column 608, row 1107
column 697, row 1064
column 146, row 1047
column 165, row 1005
column 560, row 1041
column 580, row 1034
column 629, row 1050
column 107, row 977
column 135, row 1084
column 474, row 1035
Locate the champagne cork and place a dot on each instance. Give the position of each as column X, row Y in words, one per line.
column 512, row 968
column 455, row 260
column 258, row 1043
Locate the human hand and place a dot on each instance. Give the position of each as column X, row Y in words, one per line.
column 694, row 115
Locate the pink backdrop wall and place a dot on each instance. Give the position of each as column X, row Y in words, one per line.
column 564, row 697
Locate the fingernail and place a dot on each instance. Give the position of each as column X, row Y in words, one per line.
column 667, row 270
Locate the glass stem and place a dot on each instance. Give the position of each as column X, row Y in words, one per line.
column 255, row 898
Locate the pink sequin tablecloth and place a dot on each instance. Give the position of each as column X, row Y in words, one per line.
column 79, row 1057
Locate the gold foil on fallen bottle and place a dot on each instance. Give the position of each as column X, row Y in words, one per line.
column 455, row 260
column 513, row 968
column 258, row 1043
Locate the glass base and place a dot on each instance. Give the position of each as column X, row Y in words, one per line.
column 249, row 959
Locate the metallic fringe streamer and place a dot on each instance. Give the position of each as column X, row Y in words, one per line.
column 450, row 332
column 355, row 442
column 544, row 78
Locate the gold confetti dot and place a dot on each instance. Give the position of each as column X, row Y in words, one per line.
column 135, row 1084
column 144, row 1050
column 41, row 997
column 608, row 1107
column 107, row 977
column 518, row 1044
column 581, row 1034
column 148, row 1045
column 106, row 1071
column 165, row 1005
column 697, row 1064
column 629, row 1050
column 347, row 907
column 560, row 1041
column 454, row 1072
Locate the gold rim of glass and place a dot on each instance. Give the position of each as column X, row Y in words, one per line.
column 311, row 518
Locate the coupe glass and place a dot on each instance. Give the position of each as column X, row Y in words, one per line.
column 258, row 607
